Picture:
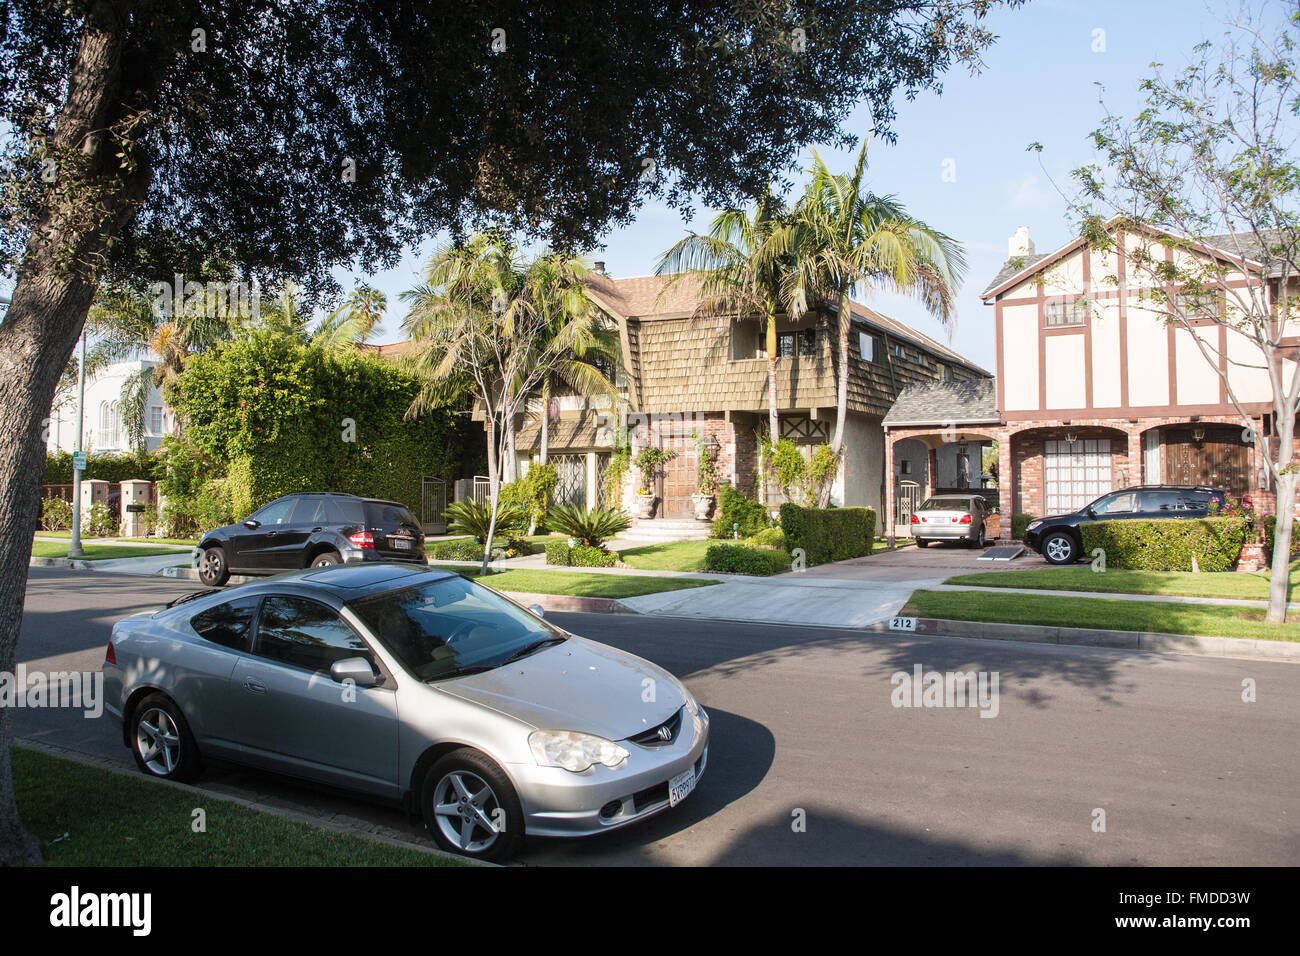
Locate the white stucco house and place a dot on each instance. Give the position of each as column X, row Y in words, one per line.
column 103, row 431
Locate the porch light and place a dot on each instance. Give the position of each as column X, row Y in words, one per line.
column 1198, row 434
column 1071, row 438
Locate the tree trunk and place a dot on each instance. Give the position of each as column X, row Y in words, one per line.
column 494, row 488
column 1280, row 572
column 88, row 204
column 841, row 394
column 546, row 423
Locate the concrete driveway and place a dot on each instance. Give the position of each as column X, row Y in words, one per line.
column 921, row 566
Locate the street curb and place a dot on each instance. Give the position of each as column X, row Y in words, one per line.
column 74, row 564
column 336, row 822
column 569, row 602
column 191, row 574
column 1152, row 642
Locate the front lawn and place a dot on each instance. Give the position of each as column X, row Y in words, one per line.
column 98, row 552
column 1223, row 584
column 1206, row 620
column 669, row 556
column 577, row 583
column 86, row 816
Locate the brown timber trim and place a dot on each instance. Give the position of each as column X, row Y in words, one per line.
column 1141, row 411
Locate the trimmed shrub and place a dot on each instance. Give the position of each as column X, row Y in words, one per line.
column 56, row 514
column 1019, row 522
column 470, row 550
column 1270, row 528
column 734, row 508
column 768, row 537
column 584, row 556
column 739, row 559
column 828, row 534
column 1167, row 544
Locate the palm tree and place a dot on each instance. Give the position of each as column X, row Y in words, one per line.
column 126, row 323
column 555, row 286
column 843, row 239
column 740, row 269
column 359, row 317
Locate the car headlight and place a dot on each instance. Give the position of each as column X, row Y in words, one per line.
column 1033, row 524
column 692, row 705
column 573, row 750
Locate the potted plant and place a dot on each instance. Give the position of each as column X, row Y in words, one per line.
column 648, row 463
column 706, row 477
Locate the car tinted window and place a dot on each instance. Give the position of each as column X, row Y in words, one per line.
column 226, row 624
column 307, row 634
column 947, row 504
column 277, row 512
column 1122, row 503
column 344, row 511
column 449, row 624
column 383, row 515
column 1164, row 501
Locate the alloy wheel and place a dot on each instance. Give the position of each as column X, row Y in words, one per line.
column 158, row 741
column 1059, row 549
column 466, row 806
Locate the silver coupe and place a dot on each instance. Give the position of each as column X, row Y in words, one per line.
column 410, row 684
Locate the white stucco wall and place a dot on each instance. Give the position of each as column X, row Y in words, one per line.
column 103, row 390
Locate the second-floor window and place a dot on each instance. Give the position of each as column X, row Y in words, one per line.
column 1058, row 312
column 868, row 347
column 803, row 341
column 155, row 419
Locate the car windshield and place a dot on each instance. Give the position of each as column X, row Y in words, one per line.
column 946, row 504
column 451, row 627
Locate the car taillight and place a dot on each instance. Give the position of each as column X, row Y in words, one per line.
column 362, row 539
column 110, row 656
column 965, row 519
column 915, row 520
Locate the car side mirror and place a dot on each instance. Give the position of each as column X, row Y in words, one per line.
column 354, row 669
column 252, row 524
column 1089, row 512
column 537, row 609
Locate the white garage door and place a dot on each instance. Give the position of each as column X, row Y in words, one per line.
column 1075, row 473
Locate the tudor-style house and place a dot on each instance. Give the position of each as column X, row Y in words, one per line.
column 1097, row 390
column 682, row 372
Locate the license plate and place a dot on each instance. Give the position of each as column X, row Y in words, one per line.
column 402, row 544
column 680, row 786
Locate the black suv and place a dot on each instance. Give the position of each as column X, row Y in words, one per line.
column 1059, row 540
column 312, row 530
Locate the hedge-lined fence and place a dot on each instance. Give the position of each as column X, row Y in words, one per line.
column 742, row 559
column 828, row 534
column 1168, row 544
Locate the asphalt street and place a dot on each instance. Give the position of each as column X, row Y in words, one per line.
column 812, row 763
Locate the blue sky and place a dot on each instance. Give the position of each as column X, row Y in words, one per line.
column 1038, row 84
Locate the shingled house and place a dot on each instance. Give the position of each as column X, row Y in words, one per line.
column 685, row 373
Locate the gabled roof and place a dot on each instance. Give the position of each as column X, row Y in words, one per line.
column 1233, row 245
column 654, row 297
column 946, row 403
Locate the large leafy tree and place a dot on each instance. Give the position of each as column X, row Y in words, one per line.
column 845, row 239
column 138, row 137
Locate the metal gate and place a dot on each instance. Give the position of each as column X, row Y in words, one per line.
column 433, row 505
column 908, row 499
column 571, row 479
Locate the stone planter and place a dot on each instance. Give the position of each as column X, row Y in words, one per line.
column 703, row 505
column 643, row 506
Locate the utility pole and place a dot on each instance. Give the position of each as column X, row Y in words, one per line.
column 74, row 546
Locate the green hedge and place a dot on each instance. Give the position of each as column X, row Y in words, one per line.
column 1167, row 544
column 1270, row 528
column 559, row 553
column 1019, row 522
column 734, row 508
column 468, row 549
column 286, row 417
column 828, row 534
column 738, row 559
column 150, row 466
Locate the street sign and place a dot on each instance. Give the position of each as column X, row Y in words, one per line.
column 78, row 461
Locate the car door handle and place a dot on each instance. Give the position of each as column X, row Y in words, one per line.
column 314, row 530
column 256, row 686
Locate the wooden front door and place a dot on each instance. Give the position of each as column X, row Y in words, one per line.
column 1219, row 459
column 678, row 479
